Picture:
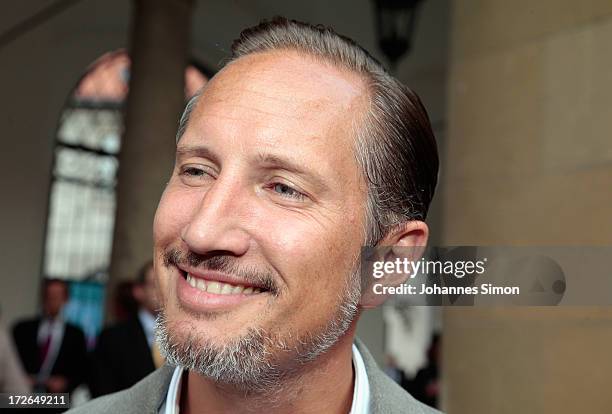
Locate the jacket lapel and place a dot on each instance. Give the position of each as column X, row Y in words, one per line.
column 385, row 395
column 149, row 394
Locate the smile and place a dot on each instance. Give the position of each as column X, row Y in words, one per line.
column 220, row 288
column 211, row 291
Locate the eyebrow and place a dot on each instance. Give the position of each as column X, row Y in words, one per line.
column 196, row 151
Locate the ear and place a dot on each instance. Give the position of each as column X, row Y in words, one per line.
column 406, row 241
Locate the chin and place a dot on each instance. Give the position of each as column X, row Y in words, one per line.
column 213, row 327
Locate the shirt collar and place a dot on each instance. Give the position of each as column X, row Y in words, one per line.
column 49, row 326
column 361, row 390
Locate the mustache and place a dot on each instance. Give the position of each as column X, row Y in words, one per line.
column 222, row 263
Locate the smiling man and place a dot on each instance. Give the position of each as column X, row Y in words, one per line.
column 294, row 156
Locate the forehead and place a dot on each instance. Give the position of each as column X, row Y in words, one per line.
column 300, row 82
column 280, row 99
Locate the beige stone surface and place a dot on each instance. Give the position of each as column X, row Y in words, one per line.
column 529, row 162
column 578, row 115
column 495, row 114
column 542, row 106
column 530, row 360
column 482, row 27
column 554, row 209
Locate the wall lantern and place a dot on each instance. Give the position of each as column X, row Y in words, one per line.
column 395, row 23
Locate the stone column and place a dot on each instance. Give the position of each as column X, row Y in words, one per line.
column 159, row 48
column 529, row 162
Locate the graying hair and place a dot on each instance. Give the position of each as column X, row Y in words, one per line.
column 395, row 146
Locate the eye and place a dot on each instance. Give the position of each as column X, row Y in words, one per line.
column 195, row 174
column 286, row 191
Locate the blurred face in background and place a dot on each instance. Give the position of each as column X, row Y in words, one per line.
column 258, row 233
column 146, row 293
column 55, row 297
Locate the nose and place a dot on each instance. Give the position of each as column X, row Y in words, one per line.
column 217, row 224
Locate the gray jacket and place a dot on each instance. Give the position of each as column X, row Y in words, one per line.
column 145, row 397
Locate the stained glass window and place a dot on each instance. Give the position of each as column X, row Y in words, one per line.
column 82, row 198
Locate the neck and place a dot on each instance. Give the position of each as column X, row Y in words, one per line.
column 307, row 391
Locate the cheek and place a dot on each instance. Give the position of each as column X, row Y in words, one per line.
column 291, row 241
column 173, row 213
column 312, row 255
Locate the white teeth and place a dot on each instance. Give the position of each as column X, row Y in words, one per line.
column 219, row 288
column 201, row 284
column 213, row 287
column 191, row 280
column 226, row 289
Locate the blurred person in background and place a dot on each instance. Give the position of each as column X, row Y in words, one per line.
column 12, row 377
column 126, row 352
column 425, row 386
column 52, row 351
column 125, row 305
column 394, row 371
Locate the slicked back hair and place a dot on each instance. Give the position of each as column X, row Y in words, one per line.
column 394, row 143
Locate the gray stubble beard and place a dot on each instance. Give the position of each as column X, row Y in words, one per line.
column 259, row 362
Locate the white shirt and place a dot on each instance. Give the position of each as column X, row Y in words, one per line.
column 361, row 390
column 52, row 330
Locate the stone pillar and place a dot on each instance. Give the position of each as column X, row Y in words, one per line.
column 529, row 162
column 159, row 49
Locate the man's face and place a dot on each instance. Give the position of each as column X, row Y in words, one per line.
column 55, row 296
column 265, row 194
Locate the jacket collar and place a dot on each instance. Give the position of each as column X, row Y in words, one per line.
column 386, row 396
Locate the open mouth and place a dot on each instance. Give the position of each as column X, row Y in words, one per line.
column 221, row 288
